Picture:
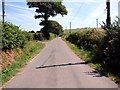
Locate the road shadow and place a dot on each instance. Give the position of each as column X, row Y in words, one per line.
column 61, row 65
column 94, row 73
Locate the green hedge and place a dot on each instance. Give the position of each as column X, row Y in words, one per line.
column 28, row 36
column 12, row 36
column 104, row 45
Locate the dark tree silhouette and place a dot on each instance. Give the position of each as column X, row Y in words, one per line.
column 55, row 27
column 32, row 31
column 45, row 10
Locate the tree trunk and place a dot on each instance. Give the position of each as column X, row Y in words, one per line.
column 46, row 29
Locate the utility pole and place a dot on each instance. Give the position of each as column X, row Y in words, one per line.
column 3, row 11
column 108, row 21
column 97, row 22
column 119, row 12
column 66, row 29
column 70, row 27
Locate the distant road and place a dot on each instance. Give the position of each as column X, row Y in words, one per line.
column 57, row 66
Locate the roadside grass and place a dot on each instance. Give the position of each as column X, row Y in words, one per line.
column 31, row 49
column 83, row 54
column 88, row 57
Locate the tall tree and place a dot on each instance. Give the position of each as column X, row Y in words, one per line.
column 54, row 27
column 45, row 10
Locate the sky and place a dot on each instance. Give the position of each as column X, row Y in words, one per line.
column 81, row 14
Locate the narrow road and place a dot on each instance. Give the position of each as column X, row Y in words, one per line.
column 57, row 66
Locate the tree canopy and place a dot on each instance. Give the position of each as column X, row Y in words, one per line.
column 45, row 10
column 54, row 27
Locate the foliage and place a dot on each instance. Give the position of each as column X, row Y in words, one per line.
column 104, row 45
column 112, row 46
column 39, row 36
column 29, row 51
column 45, row 10
column 13, row 37
column 38, row 32
column 28, row 36
column 52, row 36
column 32, row 31
column 87, row 39
column 88, row 56
column 55, row 27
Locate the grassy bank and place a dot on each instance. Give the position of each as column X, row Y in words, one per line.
column 30, row 50
column 87, row 56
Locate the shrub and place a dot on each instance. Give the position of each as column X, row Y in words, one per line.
column 28, row 36
column 13, row 37
column 88, row 39
column 112, row 46
column 104, row 45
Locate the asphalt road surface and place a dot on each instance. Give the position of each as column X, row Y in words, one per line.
column 57, row 66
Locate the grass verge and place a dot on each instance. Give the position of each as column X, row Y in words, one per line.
column 88, row 57
column 31, row 49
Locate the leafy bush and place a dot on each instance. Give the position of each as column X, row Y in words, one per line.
column 112, row 46
column 13, row 37
column 104, row 45
column 28, row 36
column 88, row 39
column 38, row 36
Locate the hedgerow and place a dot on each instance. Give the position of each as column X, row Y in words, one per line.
column 103, row 43
column 12, row 36
column 28, row 36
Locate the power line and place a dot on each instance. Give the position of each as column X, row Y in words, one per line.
column 77, row 13
column 66, row 24
column 79, row 8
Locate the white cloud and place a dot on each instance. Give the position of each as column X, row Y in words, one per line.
column 24, row 17
column 10, row 16
column 16, row 6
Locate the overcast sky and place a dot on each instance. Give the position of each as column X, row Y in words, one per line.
column 81, row 13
